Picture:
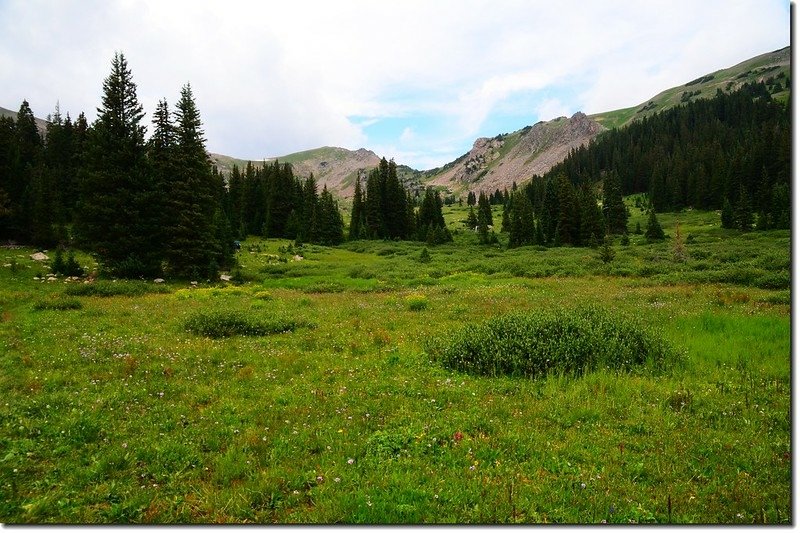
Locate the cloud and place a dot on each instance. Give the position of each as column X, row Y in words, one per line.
column 275, row 78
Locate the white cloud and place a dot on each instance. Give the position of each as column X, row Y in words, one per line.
column 274, row 78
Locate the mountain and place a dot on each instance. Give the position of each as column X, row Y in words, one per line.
column 773, row 66
column 41, row 124
column 498, row 162
column 333, row 167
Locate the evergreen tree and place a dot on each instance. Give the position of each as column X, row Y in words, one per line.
column 568, row 214
column 357, row 213
column 118, row 215
column 613, row 207
column 728, row 219
column 607, row 252
column 305, row 230
column 193, row 248
column 654, row 231
column 522, row 231
column 472, row 220
column 330, row 227
column 237, row 201
column 591, row 217
column 484, row 211
column 743, row 214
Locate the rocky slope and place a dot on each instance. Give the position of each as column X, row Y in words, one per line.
column 498, row 162
column 333, row 167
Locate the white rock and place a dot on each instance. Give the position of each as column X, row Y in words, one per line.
column 158, row 280
column 39, row 256
column 224, row 277
column 297, row 258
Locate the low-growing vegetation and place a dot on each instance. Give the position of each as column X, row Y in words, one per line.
column 218, row 324
column 540, row 342
column 667, row 397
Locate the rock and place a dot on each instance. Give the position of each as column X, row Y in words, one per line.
column 158, row 280
column 297, row 258
column 193, row 283
column 224, row 277
column 39, row 256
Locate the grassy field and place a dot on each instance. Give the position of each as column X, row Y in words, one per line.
column 126, row 401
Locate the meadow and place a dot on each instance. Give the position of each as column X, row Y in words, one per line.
column 309, row 389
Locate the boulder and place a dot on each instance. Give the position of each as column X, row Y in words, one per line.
column 39, row 256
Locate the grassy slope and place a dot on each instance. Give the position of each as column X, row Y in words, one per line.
column 115, row 413
column 754, row 69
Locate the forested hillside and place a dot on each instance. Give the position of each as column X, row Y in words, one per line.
column 731, row 149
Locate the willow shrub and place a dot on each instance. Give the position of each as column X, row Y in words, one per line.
column 562, row 341
column 217, row 324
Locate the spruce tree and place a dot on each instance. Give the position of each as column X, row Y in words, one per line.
column 329, row 225
column 118, row 219
column 613, row 207
column 484, row 211
column 357, row 212
column 522, row 231
column 193, row 248
column 472, row 220
column 654, row 231
column 743, row 214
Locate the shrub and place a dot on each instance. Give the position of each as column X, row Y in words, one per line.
column 416, row 302
column 58, row 304
column 108, row 288
column 541, row 342
column 218, row 324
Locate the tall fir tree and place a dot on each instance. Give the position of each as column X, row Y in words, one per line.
column 357, row 213
column 118, row 218
column 616, row 214
column 522, row 230
column 192, row 246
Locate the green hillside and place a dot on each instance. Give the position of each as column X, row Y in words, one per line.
column 774, row 68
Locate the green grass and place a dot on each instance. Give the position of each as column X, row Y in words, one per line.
column 114, row 413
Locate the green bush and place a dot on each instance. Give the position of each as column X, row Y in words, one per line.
column 218, row 324
column 541, row 342
column 416, row 302
column 121, row 288
column 58, row 304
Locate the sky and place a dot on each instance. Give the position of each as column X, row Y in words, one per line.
column 417, row 81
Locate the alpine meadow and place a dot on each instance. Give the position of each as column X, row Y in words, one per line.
column 583, row 321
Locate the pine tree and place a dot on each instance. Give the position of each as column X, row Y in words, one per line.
column 484, row 211
column 591, row 218
column 654, row 231
column 613, row 207
column 118, row 217
column 522, row 231
column 607, row 252
column 472, row 220
column 569, row 213
column 357, row 212
column 193, row 248
column 330, row 227
column 308, row 211
column 743, row 214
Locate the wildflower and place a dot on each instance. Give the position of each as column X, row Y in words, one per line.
column 124, row 444
column 351, row 461
column 320, row 479
column 583, row 485
column 337, row 479
column 457, row 436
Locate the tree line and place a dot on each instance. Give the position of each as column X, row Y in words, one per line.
column 146, row 207
column 733, row 148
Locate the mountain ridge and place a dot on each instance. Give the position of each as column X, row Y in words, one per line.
column 500, row 161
